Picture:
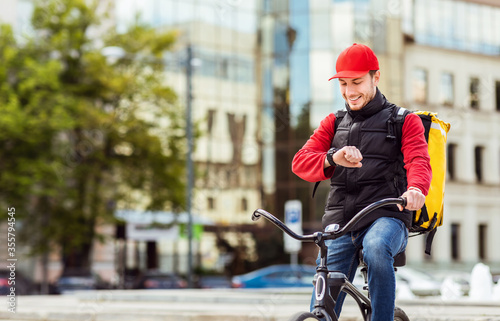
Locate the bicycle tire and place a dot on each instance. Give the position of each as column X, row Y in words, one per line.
column 303, row 316
column 400, row 315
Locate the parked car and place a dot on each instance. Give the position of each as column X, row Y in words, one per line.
column 277, row 276
column 214, row 281
column 23, row 285
column 77, row 282
column 419, row 282
column 154, row 279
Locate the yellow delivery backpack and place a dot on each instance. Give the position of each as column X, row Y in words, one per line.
column 430, row 216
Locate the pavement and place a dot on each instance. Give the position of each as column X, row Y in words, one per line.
column 220, row 305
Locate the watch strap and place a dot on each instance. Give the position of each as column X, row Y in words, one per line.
column 329, row 156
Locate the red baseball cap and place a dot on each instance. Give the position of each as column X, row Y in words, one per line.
column 355, row 61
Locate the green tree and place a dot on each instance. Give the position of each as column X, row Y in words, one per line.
column 81, row 131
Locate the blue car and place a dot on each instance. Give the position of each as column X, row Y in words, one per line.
column 277, row 276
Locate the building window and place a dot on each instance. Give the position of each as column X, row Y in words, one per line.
column 450, row 159
column 244, row 204
column 210, row 120
column 211, row 203
column 223, row 70
column 474, row 93
column 497, row 93
column 483, row 228
column 420, row 86
column 447, row 93
column 455, row 241
column 478, row 162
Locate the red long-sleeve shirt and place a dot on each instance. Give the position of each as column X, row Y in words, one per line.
column 309, row 161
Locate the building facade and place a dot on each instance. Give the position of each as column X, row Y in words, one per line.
column 260, row 87
column 452, row 66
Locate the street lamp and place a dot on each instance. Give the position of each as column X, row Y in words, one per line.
column 190, row 176
column 190, row 63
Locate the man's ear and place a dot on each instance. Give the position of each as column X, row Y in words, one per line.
column 376, row 78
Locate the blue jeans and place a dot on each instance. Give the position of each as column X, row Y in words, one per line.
column 381, row 241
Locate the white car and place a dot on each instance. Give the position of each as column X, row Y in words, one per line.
column 420, row 283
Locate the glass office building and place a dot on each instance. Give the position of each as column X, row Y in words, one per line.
column 470, row 26
column 299, row 46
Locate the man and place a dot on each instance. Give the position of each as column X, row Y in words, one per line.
column 365, row 165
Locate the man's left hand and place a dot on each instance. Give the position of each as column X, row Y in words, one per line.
column 414, row 200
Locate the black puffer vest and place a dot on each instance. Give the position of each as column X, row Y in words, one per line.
column 380, row 177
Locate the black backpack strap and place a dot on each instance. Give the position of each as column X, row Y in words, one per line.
column 428, row 241
column 339, row 115
column 395, row 123
column 315, row 188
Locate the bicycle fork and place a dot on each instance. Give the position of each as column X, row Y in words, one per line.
column 327, row 287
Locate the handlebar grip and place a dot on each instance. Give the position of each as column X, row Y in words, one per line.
column 256, row 215
column 404, row 201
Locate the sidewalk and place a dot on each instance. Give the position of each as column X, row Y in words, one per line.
column 218, row 304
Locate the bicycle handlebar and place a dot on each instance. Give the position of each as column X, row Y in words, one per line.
column 328, row 234
column 260, row 212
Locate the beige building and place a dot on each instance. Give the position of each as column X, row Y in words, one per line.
column 449, row 61
column 464, row 89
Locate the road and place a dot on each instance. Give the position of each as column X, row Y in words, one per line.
column 220, row 305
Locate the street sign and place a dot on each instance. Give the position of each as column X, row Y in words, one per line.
column 293, row 219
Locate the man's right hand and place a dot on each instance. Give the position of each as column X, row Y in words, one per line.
column 347, row 156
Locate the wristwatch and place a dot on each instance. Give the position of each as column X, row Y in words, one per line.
column 329, row 156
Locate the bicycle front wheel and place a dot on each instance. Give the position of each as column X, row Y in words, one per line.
column 303, row 316
column 400, row 315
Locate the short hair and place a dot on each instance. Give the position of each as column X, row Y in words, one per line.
column 372, row 72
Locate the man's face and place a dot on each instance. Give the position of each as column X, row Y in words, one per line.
column 359, row 91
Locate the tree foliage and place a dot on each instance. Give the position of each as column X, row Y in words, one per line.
column 82, row 131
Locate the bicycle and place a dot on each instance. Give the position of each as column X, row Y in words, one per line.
column 328, row 284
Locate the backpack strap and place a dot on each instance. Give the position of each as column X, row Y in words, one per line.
column 315, row 188
column 339, row 115
column 395, row 123
column 428, row 241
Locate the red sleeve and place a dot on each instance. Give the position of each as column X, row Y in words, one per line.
column 309, row 161
column 416, row 154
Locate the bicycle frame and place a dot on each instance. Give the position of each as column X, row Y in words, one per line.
column 327, row 284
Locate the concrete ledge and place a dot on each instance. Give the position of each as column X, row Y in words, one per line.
column 220, row 305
